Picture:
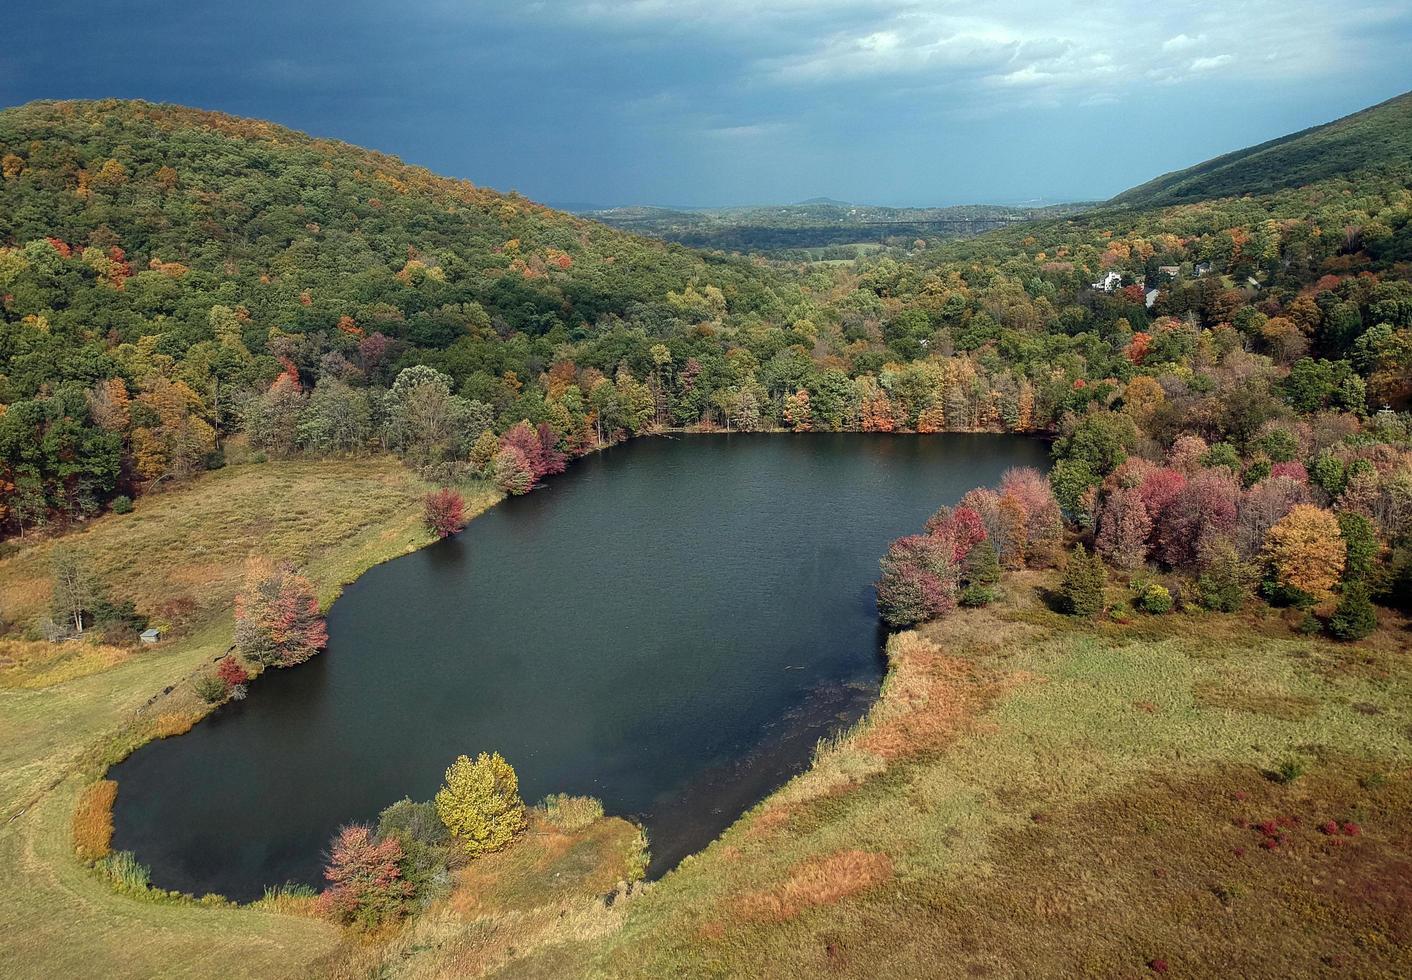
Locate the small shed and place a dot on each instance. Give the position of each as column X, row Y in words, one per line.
column 150, row 635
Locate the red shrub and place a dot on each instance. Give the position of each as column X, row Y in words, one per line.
column 444, row 512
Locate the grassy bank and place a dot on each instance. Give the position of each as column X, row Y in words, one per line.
column 67, row 710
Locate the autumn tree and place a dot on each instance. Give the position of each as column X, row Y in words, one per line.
column 511, row 471
column 443, row 512
column 480, row 803
column 366, row 888
column 277, row 620
column 1306, row 551
column 920, row 579
column 1123, row 528
column 483, row 452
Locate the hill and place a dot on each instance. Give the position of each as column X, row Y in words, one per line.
column 1376, row 137
column 298, row 227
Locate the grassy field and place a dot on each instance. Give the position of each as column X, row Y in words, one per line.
column 67, row 710
column 1032, row 795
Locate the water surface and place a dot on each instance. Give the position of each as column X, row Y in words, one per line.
column 670, row 626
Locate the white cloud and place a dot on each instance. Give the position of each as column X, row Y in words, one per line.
column 1182, row 42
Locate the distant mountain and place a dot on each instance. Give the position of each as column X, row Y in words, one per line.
column 1377, row 137
column 826, row 200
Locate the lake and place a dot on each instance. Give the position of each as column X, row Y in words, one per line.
column 670, row 626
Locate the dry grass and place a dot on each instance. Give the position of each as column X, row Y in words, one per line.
column 815, row 882
column 35, row 663
column 93, row 820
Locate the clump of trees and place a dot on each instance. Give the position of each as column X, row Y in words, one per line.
column 277, row 618
column 378, row 876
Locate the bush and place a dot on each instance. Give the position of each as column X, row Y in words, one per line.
column 1225, row 583
column 425, row 845
column 277, row 621
column 976, row 595
column 572, row 813
column 122, row 505
column 211, row 688
column 1155, row 599
column 1081, row 591
column 1355, row 617
column 93, row 820
column 480, row 803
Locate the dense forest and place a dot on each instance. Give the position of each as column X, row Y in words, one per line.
column 172, row 278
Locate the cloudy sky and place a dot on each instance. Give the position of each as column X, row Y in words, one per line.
column 709, row 102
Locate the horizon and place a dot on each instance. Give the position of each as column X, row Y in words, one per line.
column 911, row 104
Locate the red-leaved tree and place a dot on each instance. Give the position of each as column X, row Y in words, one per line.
column 444, row 512
column 366, row 887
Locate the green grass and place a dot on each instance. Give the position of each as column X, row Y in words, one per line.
column 59, row 918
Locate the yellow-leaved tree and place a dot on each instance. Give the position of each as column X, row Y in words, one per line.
column 480, row 803
column 1307, row 551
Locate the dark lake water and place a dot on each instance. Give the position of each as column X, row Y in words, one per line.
column 670, row 626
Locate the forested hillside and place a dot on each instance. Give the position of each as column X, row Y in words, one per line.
column 171, row 278
column 1375, row 138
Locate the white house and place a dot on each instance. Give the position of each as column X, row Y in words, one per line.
column 1110, row 282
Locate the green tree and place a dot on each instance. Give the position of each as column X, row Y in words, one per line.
column 1081, row 591
column 480, row 803
column 1355, row 617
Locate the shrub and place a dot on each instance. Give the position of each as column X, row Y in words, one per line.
column 1081, row 591
column 125, row 872
column 1155, row 599
column 572, row 813
column 444, row 512
column 1355, row 617
column 93, row 820
column 425, row 845
column 919, row 580
column 982, row 565
column 366, row 888
column 232, row 672
column 480, row 803
column 211, row 688
column 122, row 504
column 975, row 595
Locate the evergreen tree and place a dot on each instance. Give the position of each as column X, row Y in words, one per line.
column 1082, row 586
column 1355, row 617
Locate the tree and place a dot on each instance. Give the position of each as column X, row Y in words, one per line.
column 920, row 578
column 1225, row 582
column 1123, row 528
column 1202, row 512
column 75, row 588
column 480, row 803
column 443, row 511
column 512, row 472
column 483, row 452
column 1362, row 543
column 366, row 887
column 1306, row 551
column 1081, row 590
column 1355, row 617
column 277, row 621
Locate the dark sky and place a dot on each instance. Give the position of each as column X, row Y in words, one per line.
column 711, row 102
